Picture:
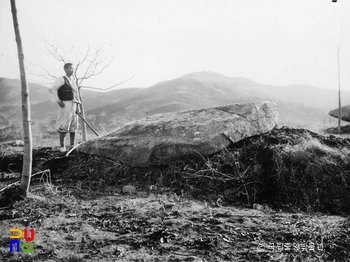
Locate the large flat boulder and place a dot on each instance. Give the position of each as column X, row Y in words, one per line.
column 164, row 137
column 345, row 113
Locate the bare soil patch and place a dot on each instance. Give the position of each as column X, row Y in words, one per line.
column 280, row 196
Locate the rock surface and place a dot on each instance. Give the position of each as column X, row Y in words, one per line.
column 165, row 137
column 129, row 190
column 345, row 112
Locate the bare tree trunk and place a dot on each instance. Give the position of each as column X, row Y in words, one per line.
column 339, row 97
column 27, row 132
column 83, row 127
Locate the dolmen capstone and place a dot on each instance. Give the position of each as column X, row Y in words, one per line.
column 162, row 138
column 345, row 113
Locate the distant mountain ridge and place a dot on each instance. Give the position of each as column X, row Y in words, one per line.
column 308, row 95
column 10, row 92
column 299, row 105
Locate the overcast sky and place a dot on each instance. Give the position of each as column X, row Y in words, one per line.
column 277, row 42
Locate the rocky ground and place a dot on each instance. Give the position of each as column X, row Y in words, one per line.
column 211, row 209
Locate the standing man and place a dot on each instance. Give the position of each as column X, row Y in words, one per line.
column 65, row 92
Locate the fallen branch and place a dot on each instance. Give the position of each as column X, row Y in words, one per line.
column 17, row 182
column 8, row 186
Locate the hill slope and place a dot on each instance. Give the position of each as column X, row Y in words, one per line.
column 299, row 106
column 41, row 106
column 207, row 89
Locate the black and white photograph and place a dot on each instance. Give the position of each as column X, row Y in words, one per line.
column 174, row 130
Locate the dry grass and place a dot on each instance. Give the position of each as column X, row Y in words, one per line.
column 187, row 206
column 309, row 148
column 283, row 168
column 163, row 227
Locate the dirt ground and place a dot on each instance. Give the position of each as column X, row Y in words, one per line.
column 83, row 216
column 75, row 225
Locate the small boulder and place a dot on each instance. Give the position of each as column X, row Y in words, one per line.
column 129, row 190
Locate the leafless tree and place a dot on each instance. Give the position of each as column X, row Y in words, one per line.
column 26, row 119
column 87, row 65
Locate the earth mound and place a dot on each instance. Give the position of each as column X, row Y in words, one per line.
column 189, row 209
column 284, row 167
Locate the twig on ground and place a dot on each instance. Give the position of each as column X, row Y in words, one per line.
column 17, row 182
column 8, row 186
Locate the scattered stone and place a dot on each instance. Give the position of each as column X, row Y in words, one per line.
column 129, row 189
column 258, row 207
column 36, row 197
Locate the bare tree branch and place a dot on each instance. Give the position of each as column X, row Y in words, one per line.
column 86, row 72
column 92, row 61
column 40, row 82
column 87, row 65
column 81, row 62
column 47, row 76
column 109, row 88
column 93, row 72
column 54, row 52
